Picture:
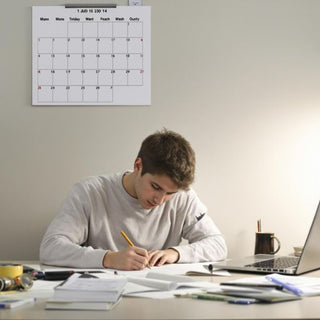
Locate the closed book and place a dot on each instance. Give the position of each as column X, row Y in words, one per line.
column 88, row 289
column 52, row 304
column 13, row 302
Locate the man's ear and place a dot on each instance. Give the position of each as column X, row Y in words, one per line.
column 137, row 164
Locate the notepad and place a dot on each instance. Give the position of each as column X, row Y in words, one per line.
column 204, row 270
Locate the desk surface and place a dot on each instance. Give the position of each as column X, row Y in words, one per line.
column 178, row 308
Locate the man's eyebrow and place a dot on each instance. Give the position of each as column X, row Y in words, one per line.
column 158, row 186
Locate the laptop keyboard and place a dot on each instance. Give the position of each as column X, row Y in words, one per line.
column 276, row 263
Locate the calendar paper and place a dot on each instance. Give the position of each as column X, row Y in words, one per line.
column 91, row 56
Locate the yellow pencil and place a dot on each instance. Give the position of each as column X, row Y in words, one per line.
column 130, row 243
column 127, row 239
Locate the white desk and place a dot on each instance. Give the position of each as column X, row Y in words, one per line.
column 178, row 308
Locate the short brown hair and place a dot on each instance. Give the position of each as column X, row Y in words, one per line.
column 167, row 152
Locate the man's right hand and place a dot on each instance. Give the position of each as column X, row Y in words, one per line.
column 131, row 258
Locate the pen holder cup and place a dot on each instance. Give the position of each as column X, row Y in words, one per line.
column 265, row 243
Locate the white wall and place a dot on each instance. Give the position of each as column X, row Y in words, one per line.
column 239, row 78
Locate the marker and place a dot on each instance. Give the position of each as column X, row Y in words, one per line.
column 252, row 285
column 217, row 297
column 130, row 243
column 205, row 296
column 59, row 275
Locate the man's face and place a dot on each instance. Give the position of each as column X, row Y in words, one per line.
column 154, row 190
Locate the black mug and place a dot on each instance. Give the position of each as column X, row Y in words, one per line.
column 265, row 243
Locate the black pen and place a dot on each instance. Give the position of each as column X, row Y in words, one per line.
column 59, row 275
column 252, row 285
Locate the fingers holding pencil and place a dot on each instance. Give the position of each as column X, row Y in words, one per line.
column 130, row 258
column 139, row 252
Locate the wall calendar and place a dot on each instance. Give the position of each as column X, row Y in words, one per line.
column 91, row 56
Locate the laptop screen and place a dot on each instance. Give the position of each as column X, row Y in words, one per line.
column 310, row 256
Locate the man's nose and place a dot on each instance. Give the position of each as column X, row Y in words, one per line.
column 160, row 197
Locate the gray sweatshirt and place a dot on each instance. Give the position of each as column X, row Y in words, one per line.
column 98, row 208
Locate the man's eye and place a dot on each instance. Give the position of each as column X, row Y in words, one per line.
column 154, row 186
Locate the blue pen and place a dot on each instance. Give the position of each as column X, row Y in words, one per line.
column 288, row 286
column 242, row 301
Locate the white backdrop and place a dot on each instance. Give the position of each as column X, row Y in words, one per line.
column 238, row 78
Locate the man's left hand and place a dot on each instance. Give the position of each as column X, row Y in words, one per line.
column 161, row 257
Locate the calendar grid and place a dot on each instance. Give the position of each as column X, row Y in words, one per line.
column 88, row 61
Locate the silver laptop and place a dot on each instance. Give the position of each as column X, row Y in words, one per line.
column 262, row 263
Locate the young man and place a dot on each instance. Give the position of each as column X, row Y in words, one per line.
column 152, row 204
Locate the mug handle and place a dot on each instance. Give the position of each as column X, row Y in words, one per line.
column 279, row 245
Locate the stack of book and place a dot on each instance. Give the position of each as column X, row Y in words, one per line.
column 87, row 292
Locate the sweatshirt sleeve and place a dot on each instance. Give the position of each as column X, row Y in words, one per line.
column 205, row 241
column 62, row 242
